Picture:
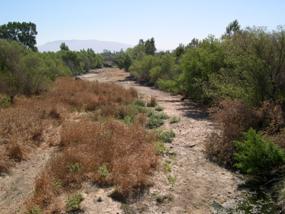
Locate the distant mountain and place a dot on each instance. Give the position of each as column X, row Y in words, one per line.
column 76, row 45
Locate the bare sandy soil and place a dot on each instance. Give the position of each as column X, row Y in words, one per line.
column 191, row 183
column 185, row 183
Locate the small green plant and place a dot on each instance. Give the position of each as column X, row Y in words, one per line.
column 257, row 156
column 57, row 184
column 166, row 136
column 160, row 148
column 134, row 109
column 167, row 167
column 174, row 120
column 35, row 210
column 128, row 120
column 154, row 122
column 158, row 108
column 5, row 102
column 156, row 119
column 171, row 179
column 103, row 171
column 74, row 168
column 139, row 103
column 73, row 202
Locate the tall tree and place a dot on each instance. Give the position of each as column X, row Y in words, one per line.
column 150, row 46
column 233, row 28
column 24, row 33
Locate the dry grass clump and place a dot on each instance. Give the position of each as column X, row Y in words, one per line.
column 109, row 153
column 89, row 96
column 23, row 126
column 20, row 124
column 20, row 127
column 235, row 118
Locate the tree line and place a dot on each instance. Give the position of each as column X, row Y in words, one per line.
column 24, row 70
column 246, row 64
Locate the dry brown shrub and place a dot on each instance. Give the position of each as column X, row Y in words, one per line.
column 90, row 96
column 272, row 117
column 15, row 152
column 234, row 118
column 21, row 124
column 152, row 102
column 278, row 138
column 108, row 153
column 19, row 127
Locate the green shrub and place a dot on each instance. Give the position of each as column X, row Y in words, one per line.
column 160, row 115
column 158, row 108
column 168, row 85
column 171, row 179
column 74, row 168
column 103, row 171
column 160, row 148
column 257, row 156
column 128, row 119
column 73, row 202
column 35, row 210
column 156, row 119
column 174, row 120
column 139, row 103
column 154, row 122
column 166, row 136
column 167, row 167
column 5, row 102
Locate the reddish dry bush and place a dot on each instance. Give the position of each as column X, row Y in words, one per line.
column 108, row 154
column 19, row 127
column 272, row 117
column 20, row 124
column 234, row 117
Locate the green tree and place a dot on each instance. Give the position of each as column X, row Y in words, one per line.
column 89, row 60
column 232, row 28
column 23, row 71
column 141, row 68
column 180, row 50
column 197, row 66
column 64, row 47
column 123, row 60
column 24, row 32
column 150, row 46
column 255, row 65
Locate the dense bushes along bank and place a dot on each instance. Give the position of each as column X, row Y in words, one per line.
column 241, row 75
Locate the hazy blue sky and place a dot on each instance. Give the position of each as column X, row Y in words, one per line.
column 170, row 21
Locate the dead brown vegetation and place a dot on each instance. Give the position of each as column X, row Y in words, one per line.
column 20, row 127
column 109, row 153
column 105, row 152
column 272, row 117
column 90, row 96
column 24, row 122
column 234, row 117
